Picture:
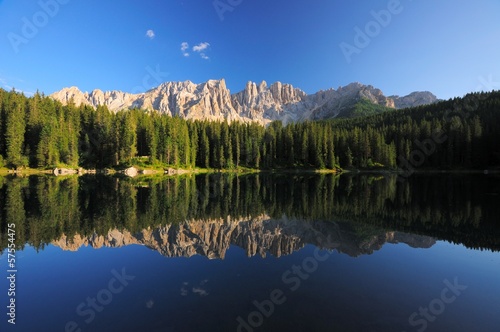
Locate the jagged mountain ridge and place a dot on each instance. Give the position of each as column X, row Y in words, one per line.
column 416, row 98
column 256, row 235
column 261, row 103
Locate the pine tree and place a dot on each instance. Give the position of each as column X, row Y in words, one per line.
column 14, row 131
column 204, row 148
column 125, row 135
column 330, row 150
column 349, row 157
column 236, row 145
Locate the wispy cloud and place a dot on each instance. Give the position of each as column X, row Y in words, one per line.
column 4, row 84
column 150, row 34
column 184, row 47
column 201, row 47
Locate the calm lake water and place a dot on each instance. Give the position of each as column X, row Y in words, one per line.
column 253, row 253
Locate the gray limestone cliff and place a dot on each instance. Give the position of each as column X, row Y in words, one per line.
column 260, row 103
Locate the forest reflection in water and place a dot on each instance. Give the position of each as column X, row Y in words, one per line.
column 205, row 214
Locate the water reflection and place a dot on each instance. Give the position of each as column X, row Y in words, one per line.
column 236, row 221
column 205, row 214
column 257, row 236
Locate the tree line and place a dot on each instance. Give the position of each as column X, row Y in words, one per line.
column 41, row 132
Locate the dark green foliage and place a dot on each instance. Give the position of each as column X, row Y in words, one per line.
column 14, row 118
column 364, row 107
column 458, row 133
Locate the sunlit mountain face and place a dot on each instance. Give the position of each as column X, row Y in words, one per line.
column 258, row 102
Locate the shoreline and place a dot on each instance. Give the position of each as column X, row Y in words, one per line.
column 171, row 171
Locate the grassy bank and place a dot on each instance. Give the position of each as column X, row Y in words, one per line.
column 25, row 171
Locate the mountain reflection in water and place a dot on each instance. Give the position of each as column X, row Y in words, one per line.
column 257, row 236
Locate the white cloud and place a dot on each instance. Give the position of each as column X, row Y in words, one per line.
column 184, row 47
column 150, row 34
column 201, row 47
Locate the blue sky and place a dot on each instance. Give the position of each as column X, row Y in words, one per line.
column 449, row 47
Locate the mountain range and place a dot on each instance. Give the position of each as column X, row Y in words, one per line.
column 261, row 103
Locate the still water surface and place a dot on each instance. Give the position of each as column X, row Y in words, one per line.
column 253, row 253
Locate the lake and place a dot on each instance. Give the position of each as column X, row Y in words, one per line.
column 261, row 252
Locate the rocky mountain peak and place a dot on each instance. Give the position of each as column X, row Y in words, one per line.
column 416, row 98
column 261, row 103
column 66, row 94
column 262, row 86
